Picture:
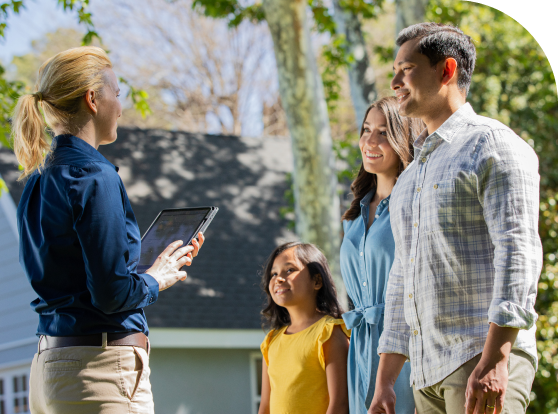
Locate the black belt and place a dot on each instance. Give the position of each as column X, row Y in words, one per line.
column 113, row 339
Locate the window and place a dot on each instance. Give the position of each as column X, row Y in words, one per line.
column 14, row 391
column 256, row 380
column 20, row 394
column 2, row 398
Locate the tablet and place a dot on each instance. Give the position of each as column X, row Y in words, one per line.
column 171, row 225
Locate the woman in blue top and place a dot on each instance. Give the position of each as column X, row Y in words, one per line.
column 80, row 245
column 368, row 249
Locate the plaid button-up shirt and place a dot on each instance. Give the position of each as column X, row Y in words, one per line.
column 464, row 217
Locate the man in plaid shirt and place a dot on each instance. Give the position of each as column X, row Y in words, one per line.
column 461, row 293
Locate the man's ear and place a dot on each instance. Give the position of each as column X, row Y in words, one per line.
column 449, row 70
column 318, row 282
column 90, row 99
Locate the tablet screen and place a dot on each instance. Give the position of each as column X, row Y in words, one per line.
column 171, row 225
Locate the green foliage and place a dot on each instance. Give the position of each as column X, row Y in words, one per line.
column 15, row 6
column 10, row 90
column 3, row 187
column 84, row 18
column 346, row 149
column 336, row 57
column 230, row 10
column 514, row 83
column 139, row 98
column 336, row 53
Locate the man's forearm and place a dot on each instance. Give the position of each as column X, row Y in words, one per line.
column 498, row 344
column 384, row 396
column 389, row 368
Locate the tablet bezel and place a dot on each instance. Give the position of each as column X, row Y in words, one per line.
column 202, row 226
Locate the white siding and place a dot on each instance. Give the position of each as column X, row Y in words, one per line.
column 18, row 323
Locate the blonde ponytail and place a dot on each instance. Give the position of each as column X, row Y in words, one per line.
column 63, row 81
column 29, row 137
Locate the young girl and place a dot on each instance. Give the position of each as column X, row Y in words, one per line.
column 305, row 353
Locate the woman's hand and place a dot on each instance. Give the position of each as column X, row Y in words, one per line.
column 166, row 269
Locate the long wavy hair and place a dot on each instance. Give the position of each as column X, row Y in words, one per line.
column 275, row 316
column 401, row 133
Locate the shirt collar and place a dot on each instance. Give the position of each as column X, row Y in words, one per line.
column 68, row 140
column 365, row 201
column 450, row 127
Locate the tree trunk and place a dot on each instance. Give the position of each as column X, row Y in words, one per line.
column 409, row 12
column 362, row 79
column 300, row 85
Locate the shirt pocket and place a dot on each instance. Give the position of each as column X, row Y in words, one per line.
column 444, row 213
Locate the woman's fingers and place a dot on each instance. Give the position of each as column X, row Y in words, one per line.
column 179, row 253
column 196, row 246
column 171, row 248
column 184, row 261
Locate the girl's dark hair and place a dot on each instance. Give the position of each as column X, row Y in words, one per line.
column 275, row 316
column 401, row 133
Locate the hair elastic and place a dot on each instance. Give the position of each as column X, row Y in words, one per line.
column 38, row 95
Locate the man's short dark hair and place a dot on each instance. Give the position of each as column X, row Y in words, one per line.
column 441, row 41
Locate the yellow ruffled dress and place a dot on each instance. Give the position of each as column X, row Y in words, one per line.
column 296, row 367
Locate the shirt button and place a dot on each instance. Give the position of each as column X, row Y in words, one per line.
column 377, row 216
column 415, row 332
column 416, row 224
column 418, row 190
column 423, row 159
column 412, row 260
column 410, row 296
column 363, row 283
column 435, row 186
column 361, row 253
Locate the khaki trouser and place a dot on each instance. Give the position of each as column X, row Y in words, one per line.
column 91, row 380
column 448, row 396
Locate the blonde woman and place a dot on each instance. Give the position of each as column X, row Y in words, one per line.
column 80, row 245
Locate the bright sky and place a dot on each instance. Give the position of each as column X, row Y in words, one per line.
column 40, row 17
column 44, row 16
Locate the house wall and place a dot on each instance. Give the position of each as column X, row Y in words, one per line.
column 202, row 381
column 18, row 323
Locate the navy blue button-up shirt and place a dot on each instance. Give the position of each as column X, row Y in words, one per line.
column 80, row 245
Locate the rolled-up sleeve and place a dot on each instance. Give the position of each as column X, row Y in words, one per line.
column 395, row 336
column 508, row 190
column 99, row 220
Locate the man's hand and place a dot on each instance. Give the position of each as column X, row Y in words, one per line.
column 383, row 401
column 486, row 387
column 384, row 396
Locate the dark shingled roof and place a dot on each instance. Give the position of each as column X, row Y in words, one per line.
column 244, row 177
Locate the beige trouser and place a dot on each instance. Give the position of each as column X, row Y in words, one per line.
column 91, row 380
column 448, row 396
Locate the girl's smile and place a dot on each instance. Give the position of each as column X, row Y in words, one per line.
column 291, row 283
